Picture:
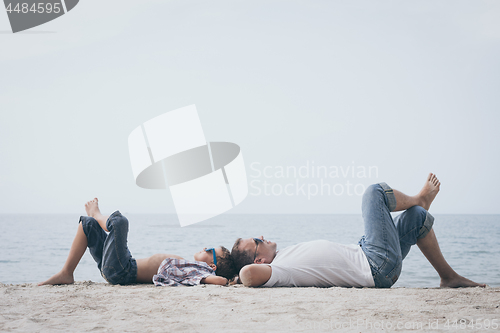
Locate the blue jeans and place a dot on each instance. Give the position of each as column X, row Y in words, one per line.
column 110, row 250
column 386, row 242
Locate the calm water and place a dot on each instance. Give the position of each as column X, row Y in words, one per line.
column 34, row 247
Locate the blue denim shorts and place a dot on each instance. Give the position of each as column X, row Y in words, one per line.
column 110, row 250
column 386, row 241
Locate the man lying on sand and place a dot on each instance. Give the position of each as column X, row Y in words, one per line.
column 110, row 251
column 375, row 262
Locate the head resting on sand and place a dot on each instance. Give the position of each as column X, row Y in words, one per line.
column 252, row 251
column 225, row 265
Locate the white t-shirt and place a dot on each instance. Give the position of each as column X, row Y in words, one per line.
column 320, row 263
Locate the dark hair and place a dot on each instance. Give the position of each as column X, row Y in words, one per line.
column 241, row 258
column 225, row 265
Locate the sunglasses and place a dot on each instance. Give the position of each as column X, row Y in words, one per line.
column 257, row 242
column 213, row 252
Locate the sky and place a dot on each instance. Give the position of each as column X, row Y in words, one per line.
column 323, row 97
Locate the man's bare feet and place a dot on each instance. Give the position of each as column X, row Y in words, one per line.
column 59, row 278
column 92, row 208
column 429, row 191
column 459, row 282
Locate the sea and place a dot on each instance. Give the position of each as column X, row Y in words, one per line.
column 34, row 247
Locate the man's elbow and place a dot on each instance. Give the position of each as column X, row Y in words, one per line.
column 246, row 277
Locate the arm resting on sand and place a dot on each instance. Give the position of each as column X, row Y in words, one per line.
column 255, row 275
column 212, row 279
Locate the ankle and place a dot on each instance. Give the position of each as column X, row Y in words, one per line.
column 422, row 202
column 96, row 215
column 449, row 276
column 418, row 200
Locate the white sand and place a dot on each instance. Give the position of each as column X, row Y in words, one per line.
column 88, row 306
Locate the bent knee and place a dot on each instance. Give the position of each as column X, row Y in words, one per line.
column 373, row 191
column 117, row 220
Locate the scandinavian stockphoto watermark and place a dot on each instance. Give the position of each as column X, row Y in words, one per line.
column 205, row 178
column 310, row 179
column 26, row 14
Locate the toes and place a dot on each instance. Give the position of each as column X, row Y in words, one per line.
column 88, row 203
column 429, row 176
column 432, row 178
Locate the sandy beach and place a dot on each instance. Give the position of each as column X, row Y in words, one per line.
column 100, row 307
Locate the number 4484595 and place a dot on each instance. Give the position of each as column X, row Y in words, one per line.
column 477, row 324
column 40, row 7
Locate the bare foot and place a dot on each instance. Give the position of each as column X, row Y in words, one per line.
column 459, row 282
column 429, row 191
column 59, row 278
column 92, row 208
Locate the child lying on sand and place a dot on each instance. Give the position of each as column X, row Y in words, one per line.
column 115, row 262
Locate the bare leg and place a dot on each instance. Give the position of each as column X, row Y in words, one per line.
column 424, row 198
column 429, row 244
column 78, row 247
column 92, row 209
column 449, row 278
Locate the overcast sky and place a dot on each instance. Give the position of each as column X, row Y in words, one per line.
column 401, row 88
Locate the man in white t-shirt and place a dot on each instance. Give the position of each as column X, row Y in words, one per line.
column 375, row 262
